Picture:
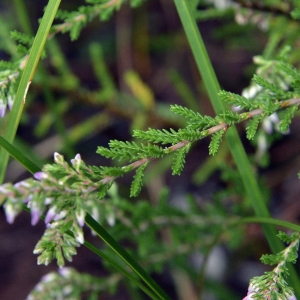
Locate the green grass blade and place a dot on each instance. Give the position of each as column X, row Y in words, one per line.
column 235, row 146
column 113, row 244
column 272, row 221
column 111, row 261
column 213, row 87
column 19, row 156
column 26, row 78
column 121, row 270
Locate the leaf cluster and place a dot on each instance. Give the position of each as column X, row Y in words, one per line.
column 290, row 254
column 24, row 41
column 69, row 284
column 145, row 222
column 10, row 70
column 273, row 284
column 268, row 100
column 64, row 192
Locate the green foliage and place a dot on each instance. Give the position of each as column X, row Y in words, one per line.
column 70, row 284
column 238, row 101
column 216, row 140
column 22, row 38
column 286, row 118
column 296, row 13
column 252, row 127
column 195, row 119
column 158, row 136
column 137, row 182
column 130, row 151
column 179, row 160
column 75, row 21
column 69, row 194
column 66, row 190
column 269, row 86
column 272, row 284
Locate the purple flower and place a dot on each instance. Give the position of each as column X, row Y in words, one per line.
column 60, row 215
column 76, row 162
column 76, row 158
column 252, row 289
column 292, row 297
column 66, row 272
column 10, row 212
column 40, row 175
column 36, row 213
column 50, row 214
column 23, row 184
column 49, row 277
column 2, row 109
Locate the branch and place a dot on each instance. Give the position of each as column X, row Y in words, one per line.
column 222, row 126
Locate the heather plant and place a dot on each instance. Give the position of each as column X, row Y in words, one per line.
column 71, row 195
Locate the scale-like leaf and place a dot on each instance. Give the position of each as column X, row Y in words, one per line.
column 215, row 142
column 158, row 136
column 268, row 85
column 252, row 127
column 137, row 182
column 286, row 118
column 238, row 100
column 179, row 160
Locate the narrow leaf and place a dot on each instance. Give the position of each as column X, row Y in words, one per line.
column 215, row 142
column 19, row 156
column 179, row 160
column 252, row 127
column 137, row 183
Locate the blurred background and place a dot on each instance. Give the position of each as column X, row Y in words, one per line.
column 122, row 74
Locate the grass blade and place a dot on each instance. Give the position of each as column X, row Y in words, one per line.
column 19, row 156
column 234, row 143
column 110, row 241
column 26, row 78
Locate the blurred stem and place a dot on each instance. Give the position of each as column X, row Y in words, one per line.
column 107, row 86
column 272, row 221
column 57, row 117
column 184, row 90
column 23, row 16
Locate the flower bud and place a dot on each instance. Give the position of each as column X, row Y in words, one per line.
column 50, row 214
column 78, row 233
column 76, row 162
column 80, row 216
column 58, row 158
column 40, row 176
column 10, row 212
column 2, row 109
column 66, row 272
column 48, row 277
column 36, row 213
